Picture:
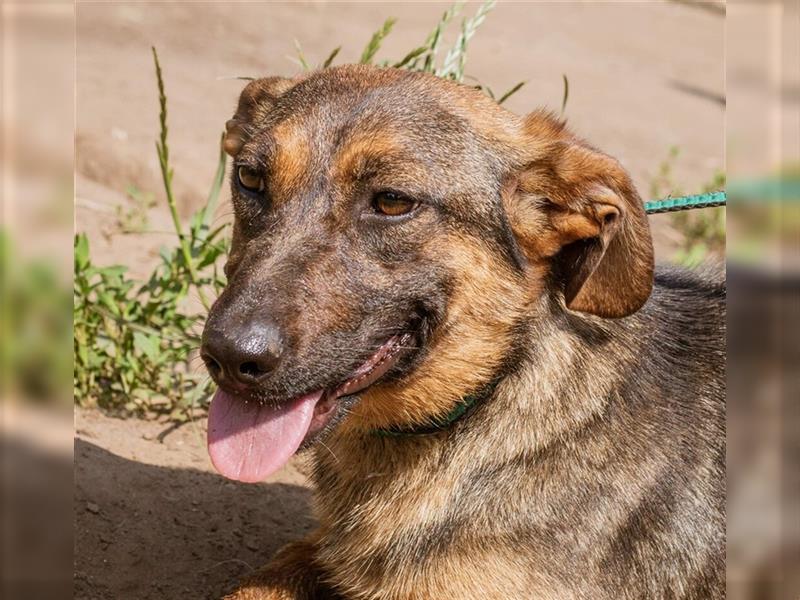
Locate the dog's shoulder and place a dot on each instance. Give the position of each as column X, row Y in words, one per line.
column 689, row 306
column 706, row 282
column 681, row 356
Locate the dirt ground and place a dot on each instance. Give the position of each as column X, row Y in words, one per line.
column 154, row 521
column 152, row 518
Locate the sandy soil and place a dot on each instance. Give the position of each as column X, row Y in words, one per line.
column 152, row 519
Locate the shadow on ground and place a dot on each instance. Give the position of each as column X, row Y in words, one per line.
column 143, row 531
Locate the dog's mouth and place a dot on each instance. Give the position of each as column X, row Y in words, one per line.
column 248, row 440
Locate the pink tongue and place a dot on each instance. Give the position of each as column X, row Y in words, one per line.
column 249, row 442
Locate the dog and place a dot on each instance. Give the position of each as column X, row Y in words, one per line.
column 455, row 311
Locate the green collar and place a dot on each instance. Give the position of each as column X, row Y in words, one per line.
column 438, row 424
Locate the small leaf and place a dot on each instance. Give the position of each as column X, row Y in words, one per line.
column 149, row 345
column 81, row 252
column 108, row 301
column 83, row 354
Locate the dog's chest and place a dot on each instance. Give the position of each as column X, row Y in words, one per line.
column 374, row 497
column 399, row 528
column 373, row 504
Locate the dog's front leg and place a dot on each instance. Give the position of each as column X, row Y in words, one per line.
column 290, row 575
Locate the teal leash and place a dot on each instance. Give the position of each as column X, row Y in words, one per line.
column 653, row 207
column 708, row 200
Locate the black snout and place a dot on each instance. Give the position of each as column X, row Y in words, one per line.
column 243, row 353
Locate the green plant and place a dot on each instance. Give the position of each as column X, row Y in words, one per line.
column 427, row 58
column 704, row 231
column 134, row 341
column 34, row 321
column 134, row 219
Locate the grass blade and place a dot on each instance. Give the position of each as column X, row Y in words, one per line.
column 329, row 61
column 207, row 212
column 435, row 37
column 410, row 56
column 456, row 58
column 566, row 95
column 511, row 92
column 375, row 42
column 162, row 148
column 301, row 57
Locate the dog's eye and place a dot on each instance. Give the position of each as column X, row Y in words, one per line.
column 391, row 204
column 250, row 179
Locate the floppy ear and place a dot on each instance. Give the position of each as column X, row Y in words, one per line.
column 576, row 210
column 255, row 101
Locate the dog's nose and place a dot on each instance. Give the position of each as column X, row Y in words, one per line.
column 242, row 354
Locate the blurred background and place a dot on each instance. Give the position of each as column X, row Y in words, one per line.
column 38, row 63
column 645, row 82
column 763, row 164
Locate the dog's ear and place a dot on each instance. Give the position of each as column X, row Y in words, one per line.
column 576, row 210
column 255, row 102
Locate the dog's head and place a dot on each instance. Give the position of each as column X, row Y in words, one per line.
column 392, row 230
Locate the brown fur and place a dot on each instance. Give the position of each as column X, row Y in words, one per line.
column 592, row 470
column 291, row 160
column 467, row 356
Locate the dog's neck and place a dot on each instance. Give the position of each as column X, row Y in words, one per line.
column 572, row 367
